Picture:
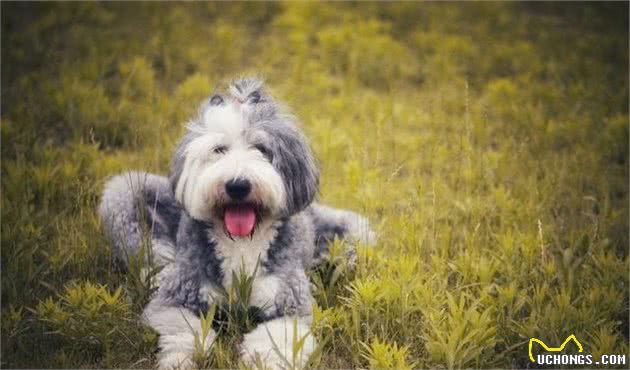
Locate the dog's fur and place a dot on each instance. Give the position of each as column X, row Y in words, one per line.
column 242, row 134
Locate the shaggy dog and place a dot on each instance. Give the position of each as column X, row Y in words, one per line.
column 239, row 198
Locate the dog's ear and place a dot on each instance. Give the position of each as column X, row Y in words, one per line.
column 178, row 162
column 294, row 160
column 304, row 184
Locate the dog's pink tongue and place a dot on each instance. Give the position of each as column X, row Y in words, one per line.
column 240, row 220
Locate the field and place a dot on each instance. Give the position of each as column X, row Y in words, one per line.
column 487, row 143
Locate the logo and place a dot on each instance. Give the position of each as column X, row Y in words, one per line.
column 553, row 349
column 571, row 359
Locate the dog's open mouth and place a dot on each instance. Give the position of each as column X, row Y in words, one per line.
column 240, row 219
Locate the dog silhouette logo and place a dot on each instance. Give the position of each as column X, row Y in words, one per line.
column 553, row 349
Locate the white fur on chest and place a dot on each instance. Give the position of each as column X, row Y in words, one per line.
column 244, row 254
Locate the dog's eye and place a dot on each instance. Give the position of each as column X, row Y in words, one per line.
column 254, row 97
column 216, row 100
column 220, row 149
column 264, row 151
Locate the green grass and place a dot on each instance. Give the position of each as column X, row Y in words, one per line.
column 488, row 144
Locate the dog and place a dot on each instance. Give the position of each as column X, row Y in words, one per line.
column 239, row 199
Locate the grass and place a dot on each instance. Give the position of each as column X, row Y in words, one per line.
column 488, row 144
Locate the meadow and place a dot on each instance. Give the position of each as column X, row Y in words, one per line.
column 487, row 143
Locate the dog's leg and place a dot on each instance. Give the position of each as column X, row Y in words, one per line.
column 286, row 294
column 330, row 223
column 178, row 327
column 276, row 343
column 173, row 313
column 138, row 207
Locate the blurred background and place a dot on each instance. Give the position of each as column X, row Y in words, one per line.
column 488, row 143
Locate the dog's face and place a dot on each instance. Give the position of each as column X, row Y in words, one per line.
column 243, row 162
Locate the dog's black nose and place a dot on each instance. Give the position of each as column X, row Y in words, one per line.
column 238, row 189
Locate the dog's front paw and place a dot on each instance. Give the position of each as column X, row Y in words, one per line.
column 175, row 360
column 271, row 345
column 268, row 361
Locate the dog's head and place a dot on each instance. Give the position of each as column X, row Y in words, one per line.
column 243, row 161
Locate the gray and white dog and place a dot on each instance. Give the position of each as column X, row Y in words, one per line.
column 239, row 198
